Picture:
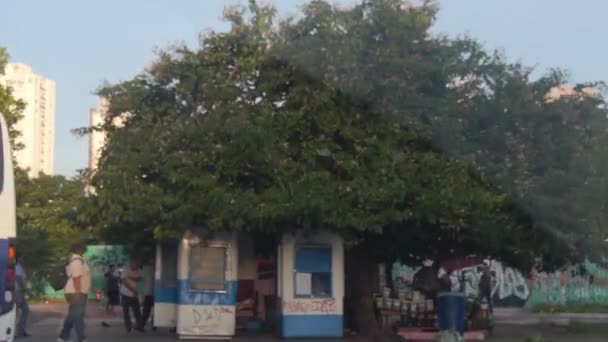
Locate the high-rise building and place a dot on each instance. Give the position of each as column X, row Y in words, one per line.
column 97, row 139
column 37, row 127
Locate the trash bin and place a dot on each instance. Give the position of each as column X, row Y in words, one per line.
column 451, row 311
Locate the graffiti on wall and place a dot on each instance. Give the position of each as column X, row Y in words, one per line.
column 584, row 283
column 99, row 259
column 305, row 306
column 206, row 318
column 509, row 286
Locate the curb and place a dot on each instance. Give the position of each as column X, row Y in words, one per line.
column 553, row 319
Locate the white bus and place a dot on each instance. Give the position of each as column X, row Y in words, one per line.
column 8, row 233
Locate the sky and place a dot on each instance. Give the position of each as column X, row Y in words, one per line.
column 80, row 44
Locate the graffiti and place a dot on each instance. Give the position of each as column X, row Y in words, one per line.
column 206, row 315
column 506, row 282
column 207, row 319
column 99, row 258
column 585, row 283
column 509, row 286
column 309, row 306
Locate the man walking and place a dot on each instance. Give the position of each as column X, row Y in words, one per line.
column 130, row 299
column 76, row 290
column 22, row 305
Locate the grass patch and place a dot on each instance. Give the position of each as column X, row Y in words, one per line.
column 570, row 308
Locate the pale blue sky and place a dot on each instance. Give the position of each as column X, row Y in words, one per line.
column 81, row 43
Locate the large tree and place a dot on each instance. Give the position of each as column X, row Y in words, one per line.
column 355, row 120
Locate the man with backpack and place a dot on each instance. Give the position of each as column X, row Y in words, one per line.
column 76, row 290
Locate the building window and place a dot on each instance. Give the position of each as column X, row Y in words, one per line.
column 208, row 268
column 313, row 272
column 169, row 265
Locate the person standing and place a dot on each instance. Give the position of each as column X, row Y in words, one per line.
column 112, row 289
column 129, row 296
column 148, row 277
column 485, row 284
column 76, row 290
column 22, row 304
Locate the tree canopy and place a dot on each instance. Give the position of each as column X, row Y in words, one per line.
column 48, row 211
column 357, row 120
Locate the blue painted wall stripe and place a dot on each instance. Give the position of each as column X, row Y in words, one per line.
column 312, row 326
column 163, row 294
column 187, row 297
column 182, row 295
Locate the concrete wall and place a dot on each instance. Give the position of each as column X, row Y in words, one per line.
column 586, row 283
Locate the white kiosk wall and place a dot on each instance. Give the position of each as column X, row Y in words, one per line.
column 311, row 285
column 207, row 288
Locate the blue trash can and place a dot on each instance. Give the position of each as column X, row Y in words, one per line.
column 451, row 311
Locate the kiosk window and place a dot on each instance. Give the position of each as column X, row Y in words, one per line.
column 208, row 268
column 313, row 272
column 169, row 265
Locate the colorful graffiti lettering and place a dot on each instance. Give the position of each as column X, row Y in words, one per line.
column 309, row 306
column 509, row 286
column 583, row 283
column 586, row 283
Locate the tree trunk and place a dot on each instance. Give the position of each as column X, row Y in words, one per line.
column 361, row 284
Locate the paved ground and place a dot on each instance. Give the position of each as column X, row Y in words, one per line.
column 46, row 321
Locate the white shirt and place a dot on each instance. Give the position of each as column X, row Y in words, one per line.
column 75, row 269
column 126, row 278
column 20, row 273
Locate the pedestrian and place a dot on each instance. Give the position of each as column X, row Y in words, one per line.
column 129, row 296
column 76, row 290
column 112, row 289
column 21, row 300
column 148, row 277
column 485, row 284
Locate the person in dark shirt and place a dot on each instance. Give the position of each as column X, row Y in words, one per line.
column 112, row 289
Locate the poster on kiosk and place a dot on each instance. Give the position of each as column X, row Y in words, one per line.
column 207, row 286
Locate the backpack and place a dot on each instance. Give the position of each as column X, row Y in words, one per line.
column 59, row 277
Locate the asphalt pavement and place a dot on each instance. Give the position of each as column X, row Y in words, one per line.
column 46, row 321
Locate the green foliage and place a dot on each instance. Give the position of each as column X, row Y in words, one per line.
column 48, row 209
column 338, row 120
